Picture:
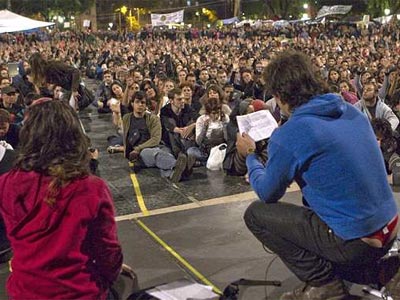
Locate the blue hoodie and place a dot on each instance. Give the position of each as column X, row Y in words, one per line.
column 328, row 147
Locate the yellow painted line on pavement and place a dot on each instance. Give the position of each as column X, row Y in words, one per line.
column 183, row 261
column 138, row 192
column 245, row 196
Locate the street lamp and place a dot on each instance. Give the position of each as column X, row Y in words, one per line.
column 387, row 11
column 305, row 5
column 124, row 10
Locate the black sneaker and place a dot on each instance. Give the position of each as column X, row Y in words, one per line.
column 335, row 290
column 137, row 166
column 179, row 168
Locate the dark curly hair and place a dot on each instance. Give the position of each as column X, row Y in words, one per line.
column 383, row 131
column 291, row 77
column 53, row 144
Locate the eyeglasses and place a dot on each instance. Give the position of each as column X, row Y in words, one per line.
column 11, row 94
column 149, row 88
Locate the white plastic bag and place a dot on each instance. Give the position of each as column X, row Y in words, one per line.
column 216, row 158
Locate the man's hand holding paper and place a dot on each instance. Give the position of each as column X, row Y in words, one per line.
column 258, row 125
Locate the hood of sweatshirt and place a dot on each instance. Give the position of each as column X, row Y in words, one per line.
column 327, row 106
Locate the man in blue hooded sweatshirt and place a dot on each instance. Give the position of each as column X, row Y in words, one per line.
column 349, row 218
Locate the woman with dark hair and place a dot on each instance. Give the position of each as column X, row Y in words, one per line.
column 387, row 142
column 210, row 130
column 54, row 72
column 347, row 91
column 60, row 220
column 153, row 97
column 214, row 91
column 115, row 104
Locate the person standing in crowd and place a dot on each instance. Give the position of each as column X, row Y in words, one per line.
column 55, row 72
column 349, row 220
column 60, row 220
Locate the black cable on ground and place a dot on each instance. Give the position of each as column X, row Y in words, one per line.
column 266, row 274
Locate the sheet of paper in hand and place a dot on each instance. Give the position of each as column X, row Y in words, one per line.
column 259, row 125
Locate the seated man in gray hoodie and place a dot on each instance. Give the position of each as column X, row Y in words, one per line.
column 373, row 107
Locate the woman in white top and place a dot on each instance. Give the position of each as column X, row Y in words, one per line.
column 210, row 130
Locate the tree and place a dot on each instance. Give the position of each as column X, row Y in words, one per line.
column 283, row 9
column 46, row 7
column 377, row 7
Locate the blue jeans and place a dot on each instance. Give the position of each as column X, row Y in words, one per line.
column 309, row 248
column 159, row 157
column 196, row 152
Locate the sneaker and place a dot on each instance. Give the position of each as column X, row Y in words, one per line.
column 179, row 168
column 335, row 290
column 137, row 166
column 114, row 149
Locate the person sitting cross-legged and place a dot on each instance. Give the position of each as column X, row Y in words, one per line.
column 178, row 126
column 142, row 137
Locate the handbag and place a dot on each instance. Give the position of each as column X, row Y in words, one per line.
column 216, row 158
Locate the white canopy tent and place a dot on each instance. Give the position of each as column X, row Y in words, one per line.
column 11, row 22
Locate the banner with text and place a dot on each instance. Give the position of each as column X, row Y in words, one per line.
column 333, row 10
column 165, row 19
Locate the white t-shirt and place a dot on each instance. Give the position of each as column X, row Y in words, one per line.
column 213, row 125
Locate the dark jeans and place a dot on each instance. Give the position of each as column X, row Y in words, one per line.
column 309, row 248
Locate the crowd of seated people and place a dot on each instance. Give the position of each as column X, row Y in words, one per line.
column 196, row 82
column 174, row 95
